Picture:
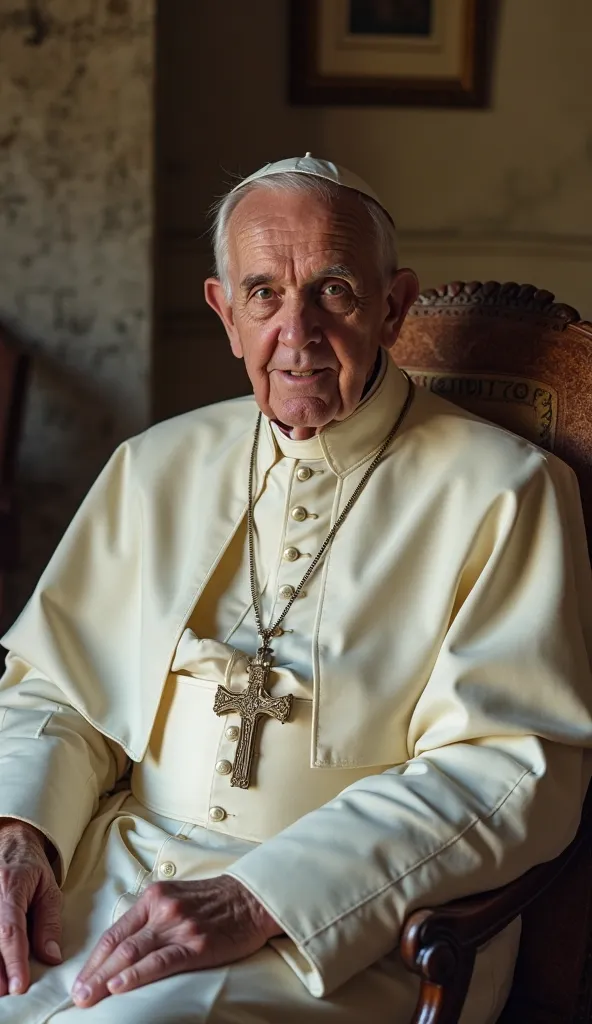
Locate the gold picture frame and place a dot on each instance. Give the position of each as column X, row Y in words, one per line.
column 391, row 52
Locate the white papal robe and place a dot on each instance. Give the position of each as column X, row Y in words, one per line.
column 439, row 665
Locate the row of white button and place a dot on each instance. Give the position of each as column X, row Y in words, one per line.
column 299, row 513
column 224, row 767
column 167, row 869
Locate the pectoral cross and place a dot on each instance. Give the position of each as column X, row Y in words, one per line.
column 251, row 704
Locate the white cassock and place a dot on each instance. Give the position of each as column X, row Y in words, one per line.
column 442, row 700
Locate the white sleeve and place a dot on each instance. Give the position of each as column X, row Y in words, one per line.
column 54, row 765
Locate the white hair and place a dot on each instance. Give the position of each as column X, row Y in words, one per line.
column 307, row 184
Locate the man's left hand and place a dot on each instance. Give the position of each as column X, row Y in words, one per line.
column 175, row 927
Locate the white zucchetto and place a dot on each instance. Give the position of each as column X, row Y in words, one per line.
column 319, row 169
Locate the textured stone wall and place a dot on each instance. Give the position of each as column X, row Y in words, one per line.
column 75, row 224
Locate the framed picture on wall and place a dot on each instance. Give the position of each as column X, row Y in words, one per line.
column 390, row 52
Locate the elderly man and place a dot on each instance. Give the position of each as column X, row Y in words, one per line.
column 339, row 628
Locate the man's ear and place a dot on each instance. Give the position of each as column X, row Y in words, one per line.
column 217, row 299
column 403, row 293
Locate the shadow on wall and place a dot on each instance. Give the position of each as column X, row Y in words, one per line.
column 74, row 425
column 222, row 111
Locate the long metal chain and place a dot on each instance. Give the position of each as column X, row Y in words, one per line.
column 266, row 634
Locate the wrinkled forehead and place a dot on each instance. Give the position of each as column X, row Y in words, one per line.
column 268, row 226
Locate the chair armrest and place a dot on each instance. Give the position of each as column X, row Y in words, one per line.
column 440, row 945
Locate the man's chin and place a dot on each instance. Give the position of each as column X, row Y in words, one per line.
column 314, row 416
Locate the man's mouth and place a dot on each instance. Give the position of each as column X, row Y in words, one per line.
column 297, row 376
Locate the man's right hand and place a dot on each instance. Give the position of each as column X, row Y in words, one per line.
column 27, row 887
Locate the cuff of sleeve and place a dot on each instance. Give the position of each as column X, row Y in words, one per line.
column 301, row 963
column 288, row 946
column 33, row 784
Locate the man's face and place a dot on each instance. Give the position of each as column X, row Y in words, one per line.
column 310, row 305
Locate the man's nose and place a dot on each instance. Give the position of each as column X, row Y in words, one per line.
column 299, row 323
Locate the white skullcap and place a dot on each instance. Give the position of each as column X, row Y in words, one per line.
column 318, row 169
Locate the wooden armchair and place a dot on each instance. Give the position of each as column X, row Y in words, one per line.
column 13, row 378
column 513, row 355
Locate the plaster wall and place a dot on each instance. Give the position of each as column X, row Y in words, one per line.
column 76, row 79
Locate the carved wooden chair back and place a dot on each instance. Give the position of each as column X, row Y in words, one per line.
column 13, row 378
column 513, row 355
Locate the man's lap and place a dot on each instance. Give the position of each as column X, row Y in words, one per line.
column 259, row 990
column 116, row 858
column 264, row 990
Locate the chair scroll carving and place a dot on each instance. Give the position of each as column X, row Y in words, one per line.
column 491, row 295
column 432, row 949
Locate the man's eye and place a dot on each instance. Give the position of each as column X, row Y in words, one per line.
column 336, row 297
column 264, row 294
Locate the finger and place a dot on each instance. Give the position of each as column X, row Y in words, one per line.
column 161, row 963
column 130, row 951
column 46, row 919
column 130, row 923
column 3, row 980
column 14, row 947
